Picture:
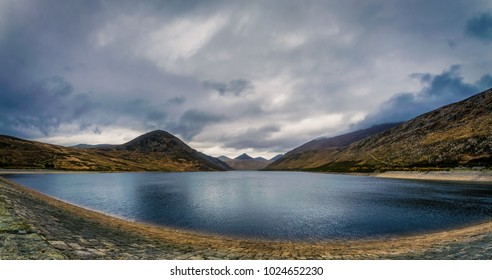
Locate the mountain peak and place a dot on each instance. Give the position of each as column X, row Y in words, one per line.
column 244, row 156
column 153, row 151
column 155, row 141
column 224, row 158
column 157, row 133
column 276, row 157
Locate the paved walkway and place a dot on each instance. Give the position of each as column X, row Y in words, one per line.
column 33, row 226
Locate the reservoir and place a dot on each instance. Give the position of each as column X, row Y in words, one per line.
column 273, row 205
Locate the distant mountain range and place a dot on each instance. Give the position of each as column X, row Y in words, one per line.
column 459, row 134
column 153, row 151
column 246, row 162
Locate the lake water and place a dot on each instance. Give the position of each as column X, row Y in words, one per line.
column 273, row 205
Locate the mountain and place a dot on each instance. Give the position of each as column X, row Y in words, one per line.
column 322, row 150
column 277, row 157
column 245, row 162
column 157, row 141
column 456, row 135
column 154, row 151
column 224, row 158
column 459, row 134
column 244, row 157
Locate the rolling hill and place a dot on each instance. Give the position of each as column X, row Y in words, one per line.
column 154, row 151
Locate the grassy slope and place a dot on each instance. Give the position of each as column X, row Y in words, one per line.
column 458, row 134
column 19, row 153
column 321, row 151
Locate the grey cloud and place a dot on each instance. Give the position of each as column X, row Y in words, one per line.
column 55, row 85
column 439, row 90
column 448, row 84
column 82, row 104
column 485, row 81
column 480, row 27
column 145, row 113
column 452, row 43
column 99, row 64
column 155, row 120
column 192, row 122
column 41, row 47
column 258, row 137
column 177, row 100
column 423, row 77
column 262, row 144
column 235, row 87
column 39, row 107
column 33, row 100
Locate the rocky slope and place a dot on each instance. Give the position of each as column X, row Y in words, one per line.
column 154, row 151
column 322, row 151
column 459, row 134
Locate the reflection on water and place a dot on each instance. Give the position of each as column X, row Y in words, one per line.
column 273, row 205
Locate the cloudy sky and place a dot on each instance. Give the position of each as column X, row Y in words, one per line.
column 229, row 77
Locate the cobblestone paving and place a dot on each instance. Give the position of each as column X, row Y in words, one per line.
column 19, row 239
column 33, row 226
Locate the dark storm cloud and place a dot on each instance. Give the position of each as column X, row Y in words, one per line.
column 485, row 82
column 133, row 66
column 480, row 27
column 447, row 85
column 256, row 138
column 192, row 122
column 438, row 90
column 29, row 102
column 40, row 106
column 235, row 87
column 252, row 142
column 55, row 85
column 42, row 30
column 147, row 114
column 56, row 38
column 178, row 100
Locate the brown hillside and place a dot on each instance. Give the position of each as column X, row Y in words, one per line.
column 155, row 151
column 322, row 151
column 459, row 134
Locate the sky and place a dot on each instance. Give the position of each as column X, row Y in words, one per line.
column 229, row 77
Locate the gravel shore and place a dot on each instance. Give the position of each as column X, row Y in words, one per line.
column 34, row 226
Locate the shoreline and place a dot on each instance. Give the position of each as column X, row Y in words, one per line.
column 69, row 232
column 458, row 175
column 475, row 176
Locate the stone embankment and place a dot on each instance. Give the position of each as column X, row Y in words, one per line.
column 34, row 226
